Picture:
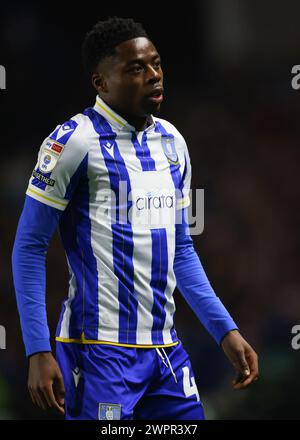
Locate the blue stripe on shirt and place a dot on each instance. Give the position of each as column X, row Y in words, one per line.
column 121, row 232
column 159, row 271
column 142, row 152
column 75, row 226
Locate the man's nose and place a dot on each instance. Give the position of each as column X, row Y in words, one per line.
column 153, row 75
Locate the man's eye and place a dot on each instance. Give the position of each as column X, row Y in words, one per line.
column 136, row 68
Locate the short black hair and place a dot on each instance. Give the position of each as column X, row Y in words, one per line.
column 101, row 41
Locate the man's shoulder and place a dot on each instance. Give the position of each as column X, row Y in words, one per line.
column 72, row 132
column 170, row 128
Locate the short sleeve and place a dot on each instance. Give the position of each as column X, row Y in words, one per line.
column 59, row 164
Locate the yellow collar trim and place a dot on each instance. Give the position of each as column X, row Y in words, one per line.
column 108, row 111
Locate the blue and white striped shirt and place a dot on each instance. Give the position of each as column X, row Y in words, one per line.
column 115, row 192
column 121, row 274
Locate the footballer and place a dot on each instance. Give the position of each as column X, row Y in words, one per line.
column 115, row 179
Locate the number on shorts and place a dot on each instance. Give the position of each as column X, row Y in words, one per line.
column 189, row 390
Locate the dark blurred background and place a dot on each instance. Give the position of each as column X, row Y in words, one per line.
column 227, row 68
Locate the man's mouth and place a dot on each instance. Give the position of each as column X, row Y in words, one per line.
column 156, row 95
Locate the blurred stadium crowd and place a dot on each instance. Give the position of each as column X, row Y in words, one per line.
column 241, row 123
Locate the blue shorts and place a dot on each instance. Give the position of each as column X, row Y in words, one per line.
column 107, row 382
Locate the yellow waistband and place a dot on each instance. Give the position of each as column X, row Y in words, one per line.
column 92, row 341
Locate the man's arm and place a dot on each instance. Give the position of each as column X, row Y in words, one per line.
column 36, row 226
column 62, row 163
column 194, row 285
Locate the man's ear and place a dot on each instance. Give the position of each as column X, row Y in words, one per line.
column 99, row 82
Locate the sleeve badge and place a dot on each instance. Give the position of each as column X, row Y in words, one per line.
column 50, row 154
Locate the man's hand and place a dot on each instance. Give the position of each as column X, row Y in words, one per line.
column 45, row 382
column 243, row 358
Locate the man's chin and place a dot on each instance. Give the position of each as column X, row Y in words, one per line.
column 152, row 109
column 156, row 111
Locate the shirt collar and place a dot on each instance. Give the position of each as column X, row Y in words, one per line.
column 114, row 118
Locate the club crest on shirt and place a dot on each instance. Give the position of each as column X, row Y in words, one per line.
column 50, row 154
column 109, row 411
column 168, row 145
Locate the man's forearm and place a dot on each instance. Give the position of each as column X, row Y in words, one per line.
column 194, row 285
column 36, row 226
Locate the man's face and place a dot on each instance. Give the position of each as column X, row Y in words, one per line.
column 131, row 81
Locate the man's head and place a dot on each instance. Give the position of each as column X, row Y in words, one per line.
column 124, row 66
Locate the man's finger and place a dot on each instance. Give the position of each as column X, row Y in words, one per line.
column 46, row 398
column 242, row 364
column 240, row 378
column 253, row 365
column 32, row 397
column 50, row 398
column 246, row 383
column 253, row 362
column 40, row 399
column 37, row 399
column 59, row 389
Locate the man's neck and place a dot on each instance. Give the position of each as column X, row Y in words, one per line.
column 139, row 122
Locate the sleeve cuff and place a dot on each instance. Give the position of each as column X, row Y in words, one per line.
column 222, row 328
column 38, row 346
